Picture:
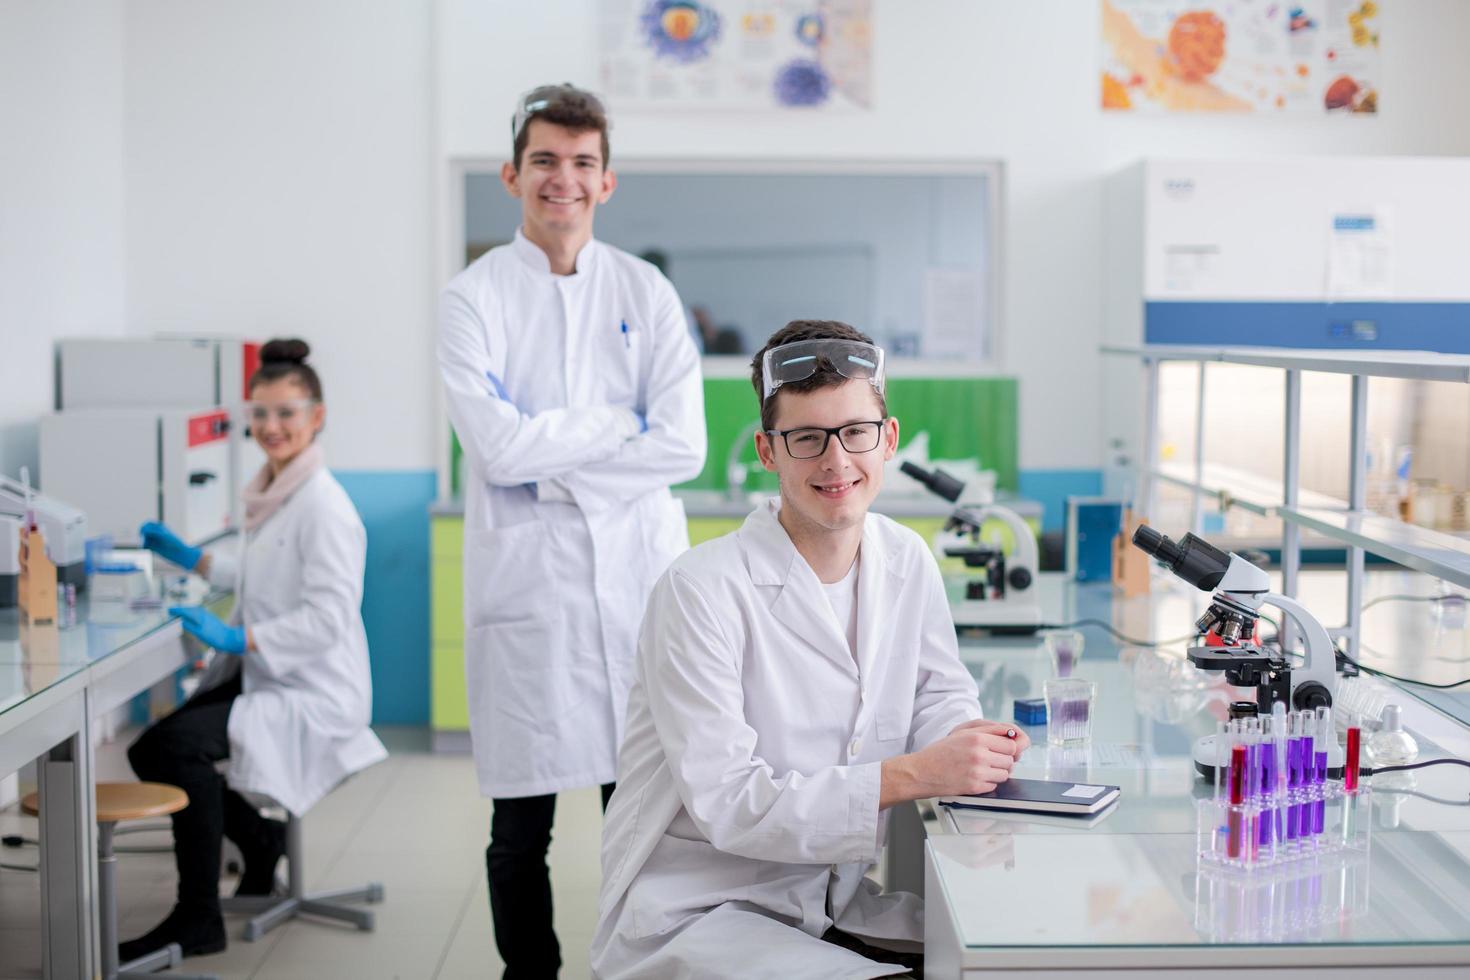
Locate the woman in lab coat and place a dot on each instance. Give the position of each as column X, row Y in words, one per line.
column 793, row 680
column 287, row 699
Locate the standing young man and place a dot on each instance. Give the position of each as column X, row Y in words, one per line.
column 794, row 679
column 574, row 388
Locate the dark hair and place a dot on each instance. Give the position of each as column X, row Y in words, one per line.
column 570, row 107
column 286, row 359
column 825, row 376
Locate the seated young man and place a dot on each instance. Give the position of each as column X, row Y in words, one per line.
column 793, row 680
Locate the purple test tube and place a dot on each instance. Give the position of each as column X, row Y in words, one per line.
column 1324, row 732
column 1293, row 777
column 1267, row 753
column 1304, row 776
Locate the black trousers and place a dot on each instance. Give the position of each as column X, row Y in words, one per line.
column 182, row 750
column 913, row 962
column 520, row 884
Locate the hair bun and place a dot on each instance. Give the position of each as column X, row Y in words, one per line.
column 285, row 352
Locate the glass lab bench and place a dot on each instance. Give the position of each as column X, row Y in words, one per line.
column 57, row 680
column 1008, row 894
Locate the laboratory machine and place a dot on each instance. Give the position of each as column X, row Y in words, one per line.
column 164, row 371
column 127, row 466
column 9, row 560
column 1000, row 593
column 64, row 527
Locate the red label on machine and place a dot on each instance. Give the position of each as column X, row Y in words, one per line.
column 209, row 427
column 251, row 362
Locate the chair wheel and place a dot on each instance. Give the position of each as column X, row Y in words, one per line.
column 252, row 932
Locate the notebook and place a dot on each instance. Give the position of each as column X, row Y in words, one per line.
column 1039, row 795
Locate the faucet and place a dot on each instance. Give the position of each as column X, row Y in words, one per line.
column 736, row 471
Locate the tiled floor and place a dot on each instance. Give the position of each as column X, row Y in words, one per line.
column 416, row 823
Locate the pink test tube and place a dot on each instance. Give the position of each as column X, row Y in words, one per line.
column 1350, row 767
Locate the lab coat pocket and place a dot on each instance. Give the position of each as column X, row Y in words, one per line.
column 515, row 643
column 512, row 673
column 683, row 878
column 892, row 725
column 624, row 375
column 506, row 575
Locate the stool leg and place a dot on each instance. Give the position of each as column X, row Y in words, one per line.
column 294, row 851
column 107, row 898
column 272, row 911
column 361, row 918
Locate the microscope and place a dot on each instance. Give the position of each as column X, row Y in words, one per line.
column 1003, row 599
column 1229, row 627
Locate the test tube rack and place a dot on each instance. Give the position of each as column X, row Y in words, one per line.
column 1310, row 899
column 1267, row 832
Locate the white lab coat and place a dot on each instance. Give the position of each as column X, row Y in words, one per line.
column 749, row 781
column 300, row 725
column 568, row 515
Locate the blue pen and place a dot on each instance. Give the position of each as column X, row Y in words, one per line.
column 626, row 342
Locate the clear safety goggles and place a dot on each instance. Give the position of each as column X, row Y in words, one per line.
column 287, row 413
column 539, row 99
column 801, row 359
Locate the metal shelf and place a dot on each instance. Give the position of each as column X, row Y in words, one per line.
column 1232, row 487
column 1441, row 554
column 1420, row 365
column 1436, row 553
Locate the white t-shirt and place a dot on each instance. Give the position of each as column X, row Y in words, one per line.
column 842, row 596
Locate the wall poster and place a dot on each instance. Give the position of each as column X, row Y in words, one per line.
column 1311, row 56
column 737, row 54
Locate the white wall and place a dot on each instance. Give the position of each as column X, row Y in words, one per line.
column 61, row 199
column 995, row 79
column 278, row 183
column 272, row 168
column 252, row 170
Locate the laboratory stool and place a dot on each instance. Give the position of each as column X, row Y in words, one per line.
column 272, row 910
column 125, row 801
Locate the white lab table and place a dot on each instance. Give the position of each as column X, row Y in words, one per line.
column 55, row 681
column 1008, row 895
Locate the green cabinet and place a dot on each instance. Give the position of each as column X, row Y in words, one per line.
column 448, row 710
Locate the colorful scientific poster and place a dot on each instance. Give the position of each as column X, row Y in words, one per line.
column 737, row 54
column 1240, row 56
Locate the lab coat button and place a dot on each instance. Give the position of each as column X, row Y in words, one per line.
column 857, row 743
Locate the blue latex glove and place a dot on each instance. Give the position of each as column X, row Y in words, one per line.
column 210, row 629
column 159, row 539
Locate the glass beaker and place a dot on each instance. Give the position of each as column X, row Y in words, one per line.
column 1065, row 649
column 1069, row 710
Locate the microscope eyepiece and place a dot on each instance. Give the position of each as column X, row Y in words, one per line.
column 1193, row 559
column 1158, row 545
column 938, row 481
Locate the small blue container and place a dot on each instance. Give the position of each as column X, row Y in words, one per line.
column 1031, row 711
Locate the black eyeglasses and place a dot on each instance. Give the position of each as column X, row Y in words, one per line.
column 810, row 442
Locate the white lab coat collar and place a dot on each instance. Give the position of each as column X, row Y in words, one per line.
column 530, row 253
column 774, row 561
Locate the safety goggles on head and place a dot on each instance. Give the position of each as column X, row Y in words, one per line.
column 293, row 412
column 538, row 100
column 801, row 359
